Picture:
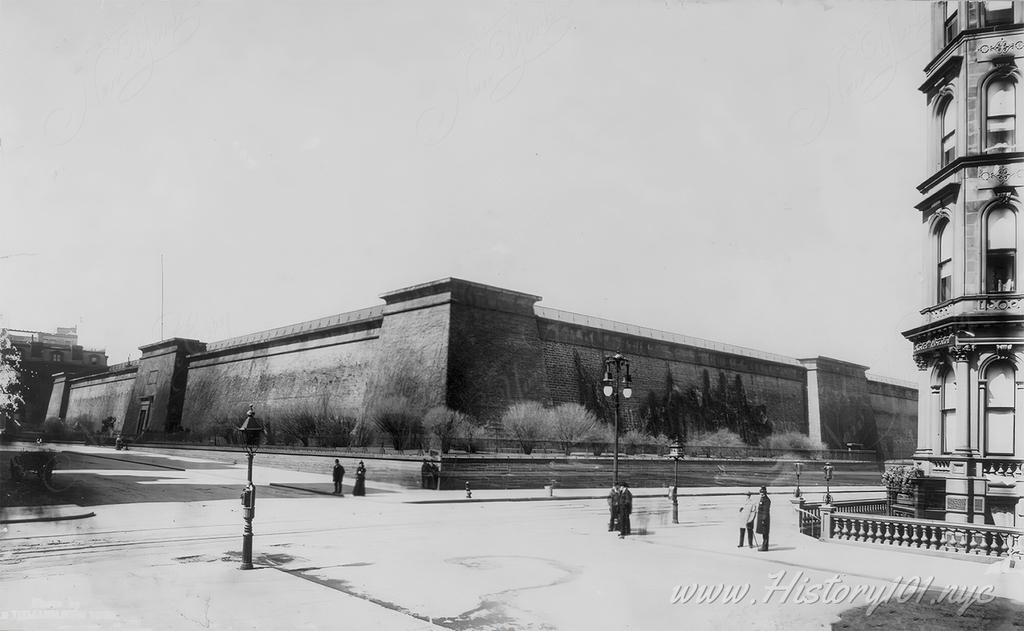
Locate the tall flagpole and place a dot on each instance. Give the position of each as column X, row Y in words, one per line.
column 161, row 296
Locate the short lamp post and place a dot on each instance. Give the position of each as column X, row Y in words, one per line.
column 798, row 466
column 613, row 386
column 675, row 452
column 828, row 469
column 252, row 433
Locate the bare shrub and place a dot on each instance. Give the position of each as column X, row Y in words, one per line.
column 721, row 438
column 445, row 424
column 792, row 441
column 397, row 420
column 571, row 423
column 526, row 422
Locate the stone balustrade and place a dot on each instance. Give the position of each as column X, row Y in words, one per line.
column 919, row 534
column 1011, row 468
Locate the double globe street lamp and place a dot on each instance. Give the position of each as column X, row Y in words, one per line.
column 613, row 386
column 252, row 433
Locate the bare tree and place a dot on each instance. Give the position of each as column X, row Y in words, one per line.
column 571, row 424
column 526, row 422
column 445, row 424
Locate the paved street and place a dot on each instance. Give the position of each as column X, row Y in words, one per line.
column 325, row 561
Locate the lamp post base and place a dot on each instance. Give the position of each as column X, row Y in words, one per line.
column 246, row 551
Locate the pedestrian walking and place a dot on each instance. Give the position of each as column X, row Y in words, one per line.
column 625, row 508
column 748, row 512
column 613, row 507
column 339, row 475
column 360, row 487
column 764, row 518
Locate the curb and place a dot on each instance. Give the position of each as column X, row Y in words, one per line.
column 145, row 464
column 299, row 488
column 601, row 497
column 38, row 519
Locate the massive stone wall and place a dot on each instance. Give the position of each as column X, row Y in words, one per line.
column 92, row 399
column 895, row 409
column 574, row 355
column 305, row 374
column 495, row 355
column 479, row 349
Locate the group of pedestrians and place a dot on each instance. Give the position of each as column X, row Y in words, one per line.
column 755, row 516
column 620, row 505
column 339, row 476
column 430, row 474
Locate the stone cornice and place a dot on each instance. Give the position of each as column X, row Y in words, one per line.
column 939, row 197
column 949, row 68
column 461, row 291
column 969, row 161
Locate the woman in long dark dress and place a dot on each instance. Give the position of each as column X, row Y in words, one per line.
column 360, row 487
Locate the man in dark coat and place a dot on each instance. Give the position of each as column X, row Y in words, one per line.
column 339, row 475
column 435, row 475
column 613, row 507
column 764, row 518
column 425, row 474
column 625, row 508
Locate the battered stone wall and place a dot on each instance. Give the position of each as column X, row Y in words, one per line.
column 479, row 349
column 574, row 357
column 97, row 397
column 895, row 408
column 306, row 374
column 410, row 365
column 495, row 354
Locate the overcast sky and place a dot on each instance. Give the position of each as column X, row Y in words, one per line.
column 739, row 171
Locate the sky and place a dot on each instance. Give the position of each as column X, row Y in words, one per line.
column 743, row 172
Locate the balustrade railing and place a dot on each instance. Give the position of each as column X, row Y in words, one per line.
column 871, row 506
column 863, row 507
column 810, row 521
column 1004, row 468
column 967, row 539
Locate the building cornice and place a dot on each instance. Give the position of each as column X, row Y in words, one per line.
column 964, row 162
column 949, row 68
column 970, row 33
column 939, row 197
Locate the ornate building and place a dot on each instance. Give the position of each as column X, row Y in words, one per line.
column 45, row 354
column 969, row 345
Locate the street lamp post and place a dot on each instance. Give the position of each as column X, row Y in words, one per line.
column 675, row 452
column 612, row 387
column 252, row 433
column 798, row 466
column 828, row 469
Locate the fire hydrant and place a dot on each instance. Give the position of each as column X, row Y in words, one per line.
column 469, row 493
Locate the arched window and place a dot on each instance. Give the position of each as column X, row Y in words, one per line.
column 948, row 131
column 1000, row 404
column 1001, row 250
column 1000, row 115
column 947, row 407
column 997, row 13
column 944, row 262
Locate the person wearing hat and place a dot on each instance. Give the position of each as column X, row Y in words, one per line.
column 338, row 475
column 747, row 514
column 360, row 487
column 625, row 508
column 613, row 507
column 764, row 518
